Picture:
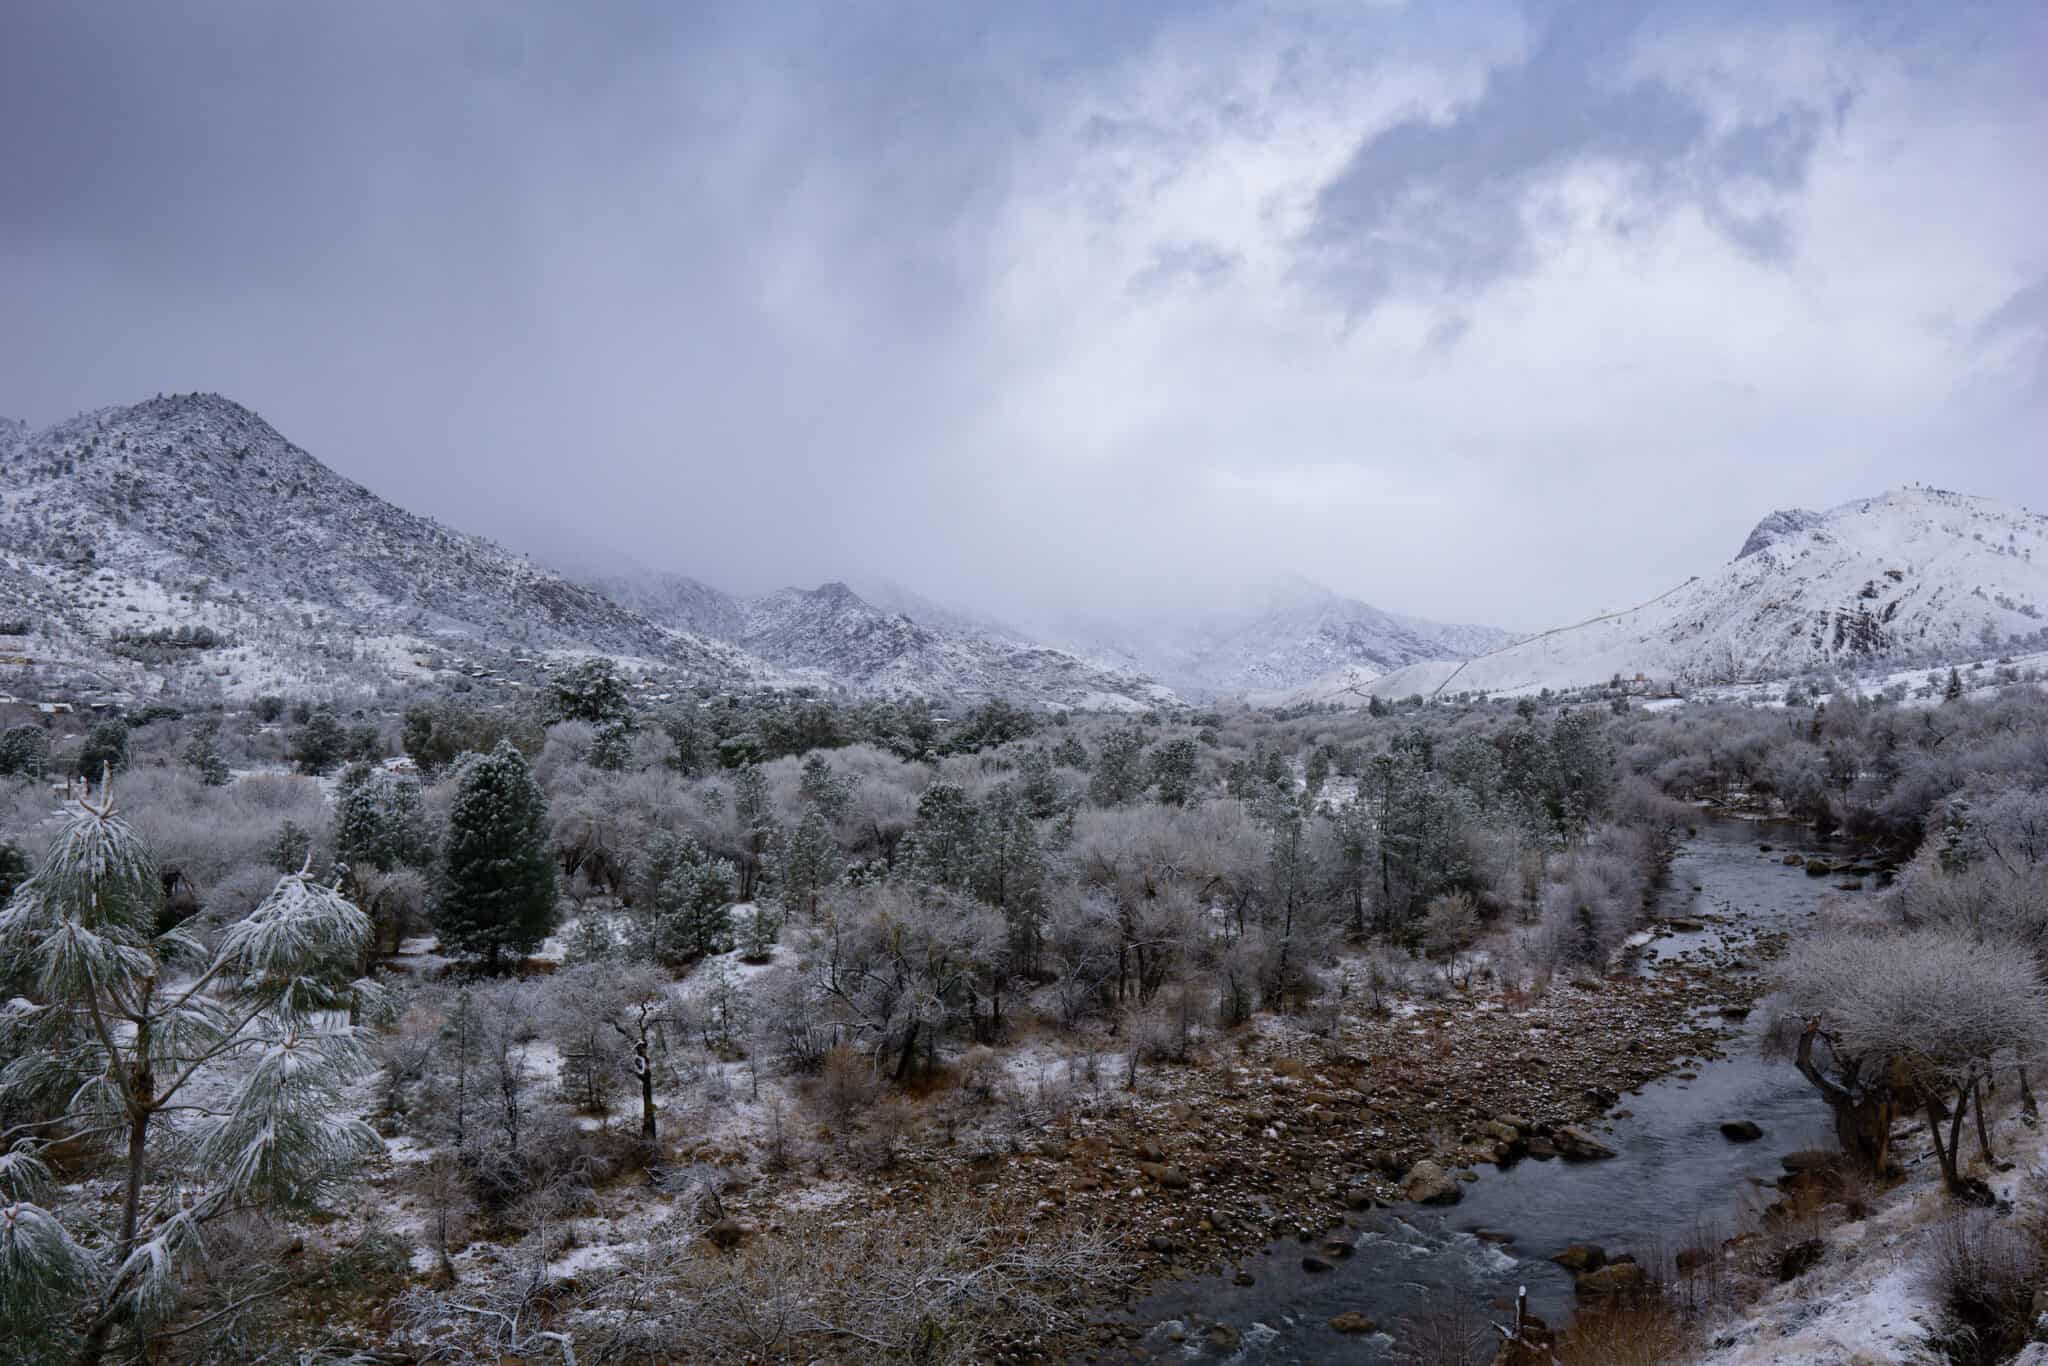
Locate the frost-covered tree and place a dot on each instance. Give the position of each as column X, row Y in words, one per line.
column 611, row 749
column 1908, row 1021
column 1173, row 769
column 754, row 812
column 1119, row 775
column 105, row 750
column 24, row 751
column 497, row 877
column 825, row 789
column 320, row 744
column 682, row 901
column 380, row 821
column 212, row 1083
column 202, row 754
column 810, row 863
column 593, row 691
column 692, row 911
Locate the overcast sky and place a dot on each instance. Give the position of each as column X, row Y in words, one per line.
column 1497, row 313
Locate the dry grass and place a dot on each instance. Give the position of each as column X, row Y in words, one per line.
column 1650, row 1331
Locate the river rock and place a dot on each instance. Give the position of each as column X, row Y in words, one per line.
column 1311, row 1262
column 1503, row 1132
column 1577, row 1145
column 1223, row 1337
column 1168, row 1178
column 1351, row 1321
column 1428, row 1184
column 1741, row 1131
column 1149, row 1150
column 1808, row 1162
column 1580, row 1257
column 1616, row 1278
column 1494, row 1236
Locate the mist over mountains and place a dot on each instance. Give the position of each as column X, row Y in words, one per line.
column 185, row 542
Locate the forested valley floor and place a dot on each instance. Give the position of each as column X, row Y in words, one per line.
column 465, row 1027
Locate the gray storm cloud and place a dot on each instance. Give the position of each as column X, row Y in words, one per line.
column 1503, row 316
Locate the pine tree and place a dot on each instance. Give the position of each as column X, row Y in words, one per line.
column 1173, row 768
column 203, row 754
column 612, row 748
column 810, row 863
column 1954, row 691
column 104, row 751
column 24, row 751
column 1119, row 768
column 379, row 821
column 320, row 744
column 498, row 880
column 693, row 912
column 593, row 691
column 215, row 1077
column 825, row 789
column 755, row 813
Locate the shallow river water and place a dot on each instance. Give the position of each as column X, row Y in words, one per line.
column 1674, row 1181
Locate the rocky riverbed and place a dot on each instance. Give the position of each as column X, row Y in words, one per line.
column 1277, row 1142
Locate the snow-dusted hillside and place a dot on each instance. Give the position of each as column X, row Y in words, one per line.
column 1913, row 574
column 831, row 635
column 1276, row 635
column 183, row 544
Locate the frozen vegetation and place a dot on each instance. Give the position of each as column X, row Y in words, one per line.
column 750, row 1025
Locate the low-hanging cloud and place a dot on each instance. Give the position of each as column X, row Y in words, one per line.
column 1503, row 314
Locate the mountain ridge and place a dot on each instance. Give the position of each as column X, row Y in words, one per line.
column 189, row 529
column 1911, row 573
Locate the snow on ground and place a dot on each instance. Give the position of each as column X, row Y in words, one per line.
column 1867, row 1302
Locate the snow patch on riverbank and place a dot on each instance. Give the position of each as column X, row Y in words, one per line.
column 1868, row 1302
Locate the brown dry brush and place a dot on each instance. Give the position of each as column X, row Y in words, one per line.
column 883, row 1287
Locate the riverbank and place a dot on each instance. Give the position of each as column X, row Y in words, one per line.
column 1694, row 1065
column 1269, row 1142
column 1873, row 1294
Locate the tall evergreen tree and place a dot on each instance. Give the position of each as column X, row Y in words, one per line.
column 320, row 744
column 810, row 863
column 202, row 752
column 498, row 880
column 105, row 750
column 1120, row 775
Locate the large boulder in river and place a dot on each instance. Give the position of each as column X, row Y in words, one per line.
column 1351, row 1321
column 1429, row 1184
column 1576, row 1145
column 1741, row 1131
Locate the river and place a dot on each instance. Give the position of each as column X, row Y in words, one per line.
column 1675, row 1181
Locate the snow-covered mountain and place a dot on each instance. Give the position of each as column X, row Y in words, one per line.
column 1273, row 635
column 1913, row 574
column 832, row 634
column 184, row 544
